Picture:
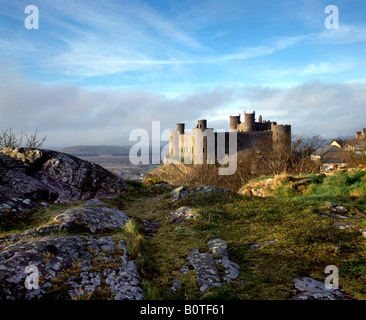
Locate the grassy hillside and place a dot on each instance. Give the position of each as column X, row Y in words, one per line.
column 300, row 242
column 293, row 228
column 346, row 186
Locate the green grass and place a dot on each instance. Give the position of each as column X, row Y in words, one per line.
column 12, row 223
column 306, row 245
column 307, row 242
column 346, row 187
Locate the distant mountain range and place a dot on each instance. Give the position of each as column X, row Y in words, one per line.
column 93, row 151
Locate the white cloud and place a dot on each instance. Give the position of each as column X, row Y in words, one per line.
column 71, row 115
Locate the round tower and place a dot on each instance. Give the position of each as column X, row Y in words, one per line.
column 249, row 121
column 234, row 121
column 180, row 128
column 281, row 134
column 202, row 124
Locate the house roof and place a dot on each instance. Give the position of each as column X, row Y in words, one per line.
column 344, row 142
column 323, row 150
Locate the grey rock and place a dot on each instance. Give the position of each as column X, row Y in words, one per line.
column 180, row 193
column 151, row 227
column 124, row 283
column 220, row 248
column 311, row 289
column 336, row 208
column 95, row 220
column 184, row 269
column 175, row 286
column 101, row 219
column 52, row 255
column 182, row 214
column 343, row 225
column 30, row 177
column 262, row 244
column 204, row 265
column 211, row 189
column 93, row 202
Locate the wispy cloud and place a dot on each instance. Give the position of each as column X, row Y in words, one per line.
column 324, row 68
column 81, row 40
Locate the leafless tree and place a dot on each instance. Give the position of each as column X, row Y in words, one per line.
column 8, row 139
column 290, row 157
column 33, row 141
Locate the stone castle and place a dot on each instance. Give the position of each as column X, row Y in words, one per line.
column 250, row 134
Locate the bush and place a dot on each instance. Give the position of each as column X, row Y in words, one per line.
column 151, row 181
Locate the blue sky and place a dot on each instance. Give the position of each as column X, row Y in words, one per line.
column 94, row 70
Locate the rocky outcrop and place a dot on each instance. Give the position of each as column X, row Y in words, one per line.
column 340, row 215
column 183, row 192
column 220, row 249
column 206, row 266
column 182, row 214
column 92, row 220
column 257, row 188
column 206, row 270
column 95, row 220
column 33, row 177
column 84, row 263
column 311, row 289
column 180, row 193
column 29, row 269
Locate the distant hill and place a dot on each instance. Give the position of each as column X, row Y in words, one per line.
column 93, row 151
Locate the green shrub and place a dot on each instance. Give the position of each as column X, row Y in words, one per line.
column 153, row 181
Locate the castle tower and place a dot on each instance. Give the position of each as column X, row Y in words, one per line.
column 234, row 121
column 249, row 122
column 281, row 135
column 202, row 124
column 180, row 128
